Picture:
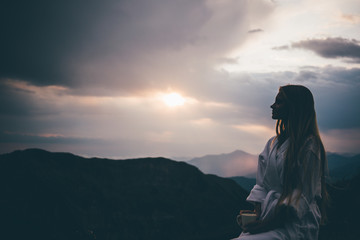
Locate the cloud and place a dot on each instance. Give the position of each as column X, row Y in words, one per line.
column 126, row 126
column 332, row 47
column 121, row 47
column 349, row 139
column 14, row 101
column 217, row 121
column 350, row 18
column 329, row 48
column 284, row 47
column 11, row 141
column 255, row 30
column 47, row 138
column 40, row 38
column 84, row 76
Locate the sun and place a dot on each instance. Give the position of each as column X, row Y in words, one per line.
column 173, row 99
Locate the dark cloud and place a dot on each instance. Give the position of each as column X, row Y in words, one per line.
column 338, row 108
column 330, row 48
column 336, row 93
column 349, row 77
column 18, row 99
column 228, row 61
column 119, row 47
column 255, row 30
column 40, row 37
column 306, row 76
column 54, row 43
column 14, row 101
column 284, row 47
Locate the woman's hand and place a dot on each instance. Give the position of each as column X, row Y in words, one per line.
column 283, row 214
column 257, row 209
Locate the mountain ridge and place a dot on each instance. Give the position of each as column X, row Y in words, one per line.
column 49, row 195
column 236, row 163
column 232, row 164
column 65, row 196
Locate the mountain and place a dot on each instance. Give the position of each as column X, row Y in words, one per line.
column 240, row 163
column 343, row 166
column 244, row 182
column 237, row 163
column 343, row 210
column 48, row 195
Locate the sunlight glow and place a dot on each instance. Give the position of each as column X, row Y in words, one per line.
column 173, row 99
column 256, row 129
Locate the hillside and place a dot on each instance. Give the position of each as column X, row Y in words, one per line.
column 62, row 196
column 342, row 166
column 244, row 182
column 343, row 211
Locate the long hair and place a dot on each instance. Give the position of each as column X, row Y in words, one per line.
column 298, row 126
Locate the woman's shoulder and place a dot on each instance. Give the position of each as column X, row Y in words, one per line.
column 271, row 141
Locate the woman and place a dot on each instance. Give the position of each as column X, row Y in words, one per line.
column 290, row 191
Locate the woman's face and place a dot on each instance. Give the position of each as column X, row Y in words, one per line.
column 279, row 108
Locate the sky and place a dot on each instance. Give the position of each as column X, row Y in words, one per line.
column 173, row 78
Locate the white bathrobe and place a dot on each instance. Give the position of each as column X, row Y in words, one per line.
column 268, row 188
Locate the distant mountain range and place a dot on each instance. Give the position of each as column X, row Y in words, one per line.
column 237, row 163
column 240, row 163
column 57, row 196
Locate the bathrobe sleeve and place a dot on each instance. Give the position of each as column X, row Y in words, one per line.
column 259, row 192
